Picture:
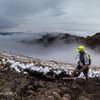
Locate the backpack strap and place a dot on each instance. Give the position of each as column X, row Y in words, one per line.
column 87, row 59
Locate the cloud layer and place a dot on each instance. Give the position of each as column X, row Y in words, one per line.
column 75, row 16
column 59, row 51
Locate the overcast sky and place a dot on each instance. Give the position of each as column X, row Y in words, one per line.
column 75, row 16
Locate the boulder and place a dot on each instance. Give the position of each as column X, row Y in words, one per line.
column 56, row 95
column 84, row 98
column 50, row 97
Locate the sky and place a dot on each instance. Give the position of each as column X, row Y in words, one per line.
column 74, row 16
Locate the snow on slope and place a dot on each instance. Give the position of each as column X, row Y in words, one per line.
column 20, row 63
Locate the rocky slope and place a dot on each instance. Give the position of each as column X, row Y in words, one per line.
column 25, row 78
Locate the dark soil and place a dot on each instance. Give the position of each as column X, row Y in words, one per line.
column 18, row 86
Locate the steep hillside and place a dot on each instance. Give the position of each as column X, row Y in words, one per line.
column 93, row 41
column 25, row 78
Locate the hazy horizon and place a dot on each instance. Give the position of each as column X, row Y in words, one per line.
column 58, row 51
column 83, row 34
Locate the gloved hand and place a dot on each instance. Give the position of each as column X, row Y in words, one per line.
column 78, row 72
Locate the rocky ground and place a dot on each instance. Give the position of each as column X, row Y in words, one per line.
column 23, row 84
column 18, row 86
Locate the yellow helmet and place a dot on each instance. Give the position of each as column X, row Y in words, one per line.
column 81, row 48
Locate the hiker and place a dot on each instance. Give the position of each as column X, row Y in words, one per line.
column 83, row 63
